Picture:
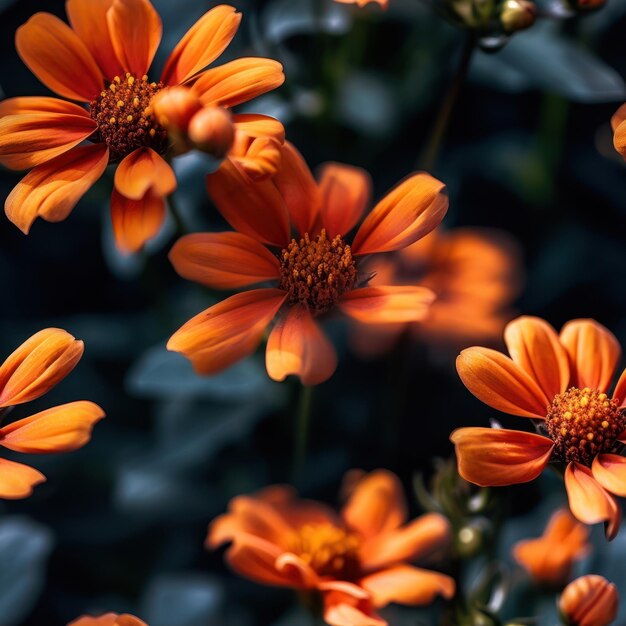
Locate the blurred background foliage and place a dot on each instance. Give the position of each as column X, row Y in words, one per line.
column 120, row 524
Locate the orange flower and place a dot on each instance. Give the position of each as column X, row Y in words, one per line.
column 562, row 381
column 357, row 560
column 475, row 276
column 110, row 619
column 618, row 123
column 33, row 369
column 315, row 273
column 549, row 559
column 589, row 601
column 102, row 60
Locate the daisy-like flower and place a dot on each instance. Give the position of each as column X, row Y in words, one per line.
column 109, row 619
column 589, row 601
column 33, row 369
column 355, row 561
column 314, row 269
column 102, row 61
column 563, row 382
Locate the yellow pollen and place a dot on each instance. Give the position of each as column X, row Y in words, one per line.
column 567, row 415
column 120, row 103
column 144, row 78
column 604, row 424
column 584, row 401
column 131, row 80
column 136, row 102
column 152, row 132
column 590, row 436
column 112, row 88
column 129, row 118
column 118, row 80
column 112, row 120
column 602, row 397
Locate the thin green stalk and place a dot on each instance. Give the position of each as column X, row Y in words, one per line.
column 303, row 419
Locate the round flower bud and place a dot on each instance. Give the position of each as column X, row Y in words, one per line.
column 211, row 130
column 517, row 15
column 589, row 601
column 175, row 107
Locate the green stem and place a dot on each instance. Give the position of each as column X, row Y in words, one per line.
column 303, row 420
column 177, row 216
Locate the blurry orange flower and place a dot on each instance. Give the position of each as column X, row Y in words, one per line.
column 550, row 558
column 33, row 369
column 618, row 123
column 475, row 276
column 102, row 60
column 316, row 272
column 110, row 619
column 563, row 382
column 361, row 3
column 357, row 560
column 589, row 601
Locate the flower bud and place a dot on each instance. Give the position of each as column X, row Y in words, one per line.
column 589, row 601
column 516, row 15
column 211, row 130
column 175, row 107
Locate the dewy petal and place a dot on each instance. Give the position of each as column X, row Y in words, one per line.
column 594, row 352
column 53, row 189
column 500, row 383
column 496, row 457
column 388, row 305
column 202, row 44
column 135, row 28
column 223, row 260
column 620, row 390
column 588, row 500
column 38, row 365
column 17, row 480
column 407, row 213
column 345, row 193
column 298, row 346
column 534, row 346
column 58, row 57
column 228, row 331
column 144, row 170
column 610, row 471
column 238, row 81
column 89, row 21
column 60, row 429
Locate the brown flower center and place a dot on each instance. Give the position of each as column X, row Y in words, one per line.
column 317, row 272
column 125, row 118
column 584, row 423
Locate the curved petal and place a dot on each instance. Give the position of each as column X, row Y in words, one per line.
column 228, row 331
column 345, row 193
column 387, row 305
column 257, row 125
column 298, row 346
column 589, row 502
column 619, row 137
column 407, row 213
column 238, row 81
column 24, row 105
column 498, row 382
column 620, row 390
column 223, row 260
column 144, row 170
column 260, row 160
column 34, row 368
column 610, row 471
column 135, row 29
column 534, row 346
column 53, row 189
column 594, row 352
column 618, row 117
column 496, row 457
column 109, row 619
column 301, row 571
column 343, row 609
column 17, row 480
column 55, row 54
column 202, row 44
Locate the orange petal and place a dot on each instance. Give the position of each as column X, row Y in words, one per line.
column 376, row 505
column 298, row 346
column 342, row 609
column 408, row 585
column 619, row 138
column 135, row 29
column 17, row 480
column 261, row 159
column 495, row 457
column 590, row 600
column 610, row 471
column 407, row 213
column 37, row 365
column 53, row 189
column 344, row 194
column 255, row 125
column 302, row 572
column 594, row 352
column 534, row 346
column 24, row 105
column 618, row 117
column 253, row 208
column 60, row 429
column 620, row 390
column 89, row 21
column 228, row 331
column 361, row 3
column 144, row 170
column 136, row 221
column 202, row 44
column 238, row 81
column 223, row 260
column 500, row 383
column 589, row 502
column 387, row 305
column 109, row 619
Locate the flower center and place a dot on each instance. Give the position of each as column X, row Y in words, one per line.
column 317, row 272
column 584, row 423
column 329, row 550
column 125, row 118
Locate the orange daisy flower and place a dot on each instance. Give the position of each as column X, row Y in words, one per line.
column 475, row 276
column 550, row 558
column 315, row 272
column 589, row 601
column 109, row 619
column 33, row 369
column 562, row 381
column 102, row 61
column 356, row 561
